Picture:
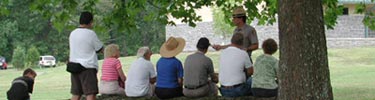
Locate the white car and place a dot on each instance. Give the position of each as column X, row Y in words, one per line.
column 47, row 61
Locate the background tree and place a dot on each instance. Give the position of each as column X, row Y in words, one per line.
column 8, row 30
column 23, row 28
column 32, row 57
column 221, row 27
column 19, row 57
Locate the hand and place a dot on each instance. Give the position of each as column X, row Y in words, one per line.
column 245, row 49
column 216, row 47
column 215, row 78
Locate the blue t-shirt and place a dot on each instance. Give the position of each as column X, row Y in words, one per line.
column 168, row 72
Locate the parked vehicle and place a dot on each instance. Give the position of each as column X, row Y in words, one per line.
column 3, row 63
column 47, row 60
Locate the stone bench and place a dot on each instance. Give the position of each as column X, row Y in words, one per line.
column 115, row 97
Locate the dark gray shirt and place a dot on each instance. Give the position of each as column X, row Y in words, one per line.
column 197, row 69
column 250, row 36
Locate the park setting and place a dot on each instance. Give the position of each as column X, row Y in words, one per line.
column 187, row 49
column 351, row 72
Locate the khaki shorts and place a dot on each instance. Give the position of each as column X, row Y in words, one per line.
column 111, row 87
column 85, row 83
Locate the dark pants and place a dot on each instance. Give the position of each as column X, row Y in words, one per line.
column 242, row 90
column 259, row 92
column 167, row 93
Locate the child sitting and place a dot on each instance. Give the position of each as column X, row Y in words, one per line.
column 265, row 71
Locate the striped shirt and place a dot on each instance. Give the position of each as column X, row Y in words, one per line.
column 109, row 69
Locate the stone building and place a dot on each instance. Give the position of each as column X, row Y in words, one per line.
column 348, row 32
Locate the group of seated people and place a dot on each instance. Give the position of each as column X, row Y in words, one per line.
column 196, row 77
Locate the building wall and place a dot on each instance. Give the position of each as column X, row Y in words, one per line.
column 352, row 8
column 349, row 32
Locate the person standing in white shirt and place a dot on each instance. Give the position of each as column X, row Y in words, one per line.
column 84, row 46
column 141, row 75
column 232, row 77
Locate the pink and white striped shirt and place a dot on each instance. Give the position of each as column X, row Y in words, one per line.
column 109, row 69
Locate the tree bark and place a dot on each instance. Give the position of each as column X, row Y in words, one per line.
column 303, row 72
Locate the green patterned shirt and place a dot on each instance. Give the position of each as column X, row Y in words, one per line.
column 265, row 72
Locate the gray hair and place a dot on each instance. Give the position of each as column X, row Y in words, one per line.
column 111, row 50
column 143, row 51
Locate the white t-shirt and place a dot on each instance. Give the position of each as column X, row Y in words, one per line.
column 138, row 81
column 233, row 61
column 83, row 44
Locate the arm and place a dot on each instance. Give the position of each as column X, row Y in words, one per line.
column 97, row 44
column 152, row 73
column 101, row 50
column 211, row 71
column 248, row 66
column 254, row 41
column 253, row 47
column 180, row 73
column 219, row 47
column 250, row 71
column 153, row 80
column 121, row 74
column 214, row 77
column 180, row 81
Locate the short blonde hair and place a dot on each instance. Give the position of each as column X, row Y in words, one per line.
column 143, row 51
column 111, row 50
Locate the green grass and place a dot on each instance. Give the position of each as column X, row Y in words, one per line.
column 351, row 70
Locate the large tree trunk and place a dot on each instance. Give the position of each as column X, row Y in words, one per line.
column 304, row 72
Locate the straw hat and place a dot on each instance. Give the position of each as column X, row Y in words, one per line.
column 172, row 47
column 239, row 12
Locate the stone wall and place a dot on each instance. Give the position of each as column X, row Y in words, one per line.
column 348, row 32
column 348, row 27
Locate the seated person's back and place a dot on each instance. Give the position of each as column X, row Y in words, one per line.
column 113, row 78
column 197, row 69
column 169, row 69
column 141, row 75
column 265, row 71
column 232, row 75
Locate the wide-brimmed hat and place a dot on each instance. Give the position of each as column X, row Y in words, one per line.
column 172, row 47
column 239, row 12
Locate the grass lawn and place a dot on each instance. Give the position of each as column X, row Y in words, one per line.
column 351, row 75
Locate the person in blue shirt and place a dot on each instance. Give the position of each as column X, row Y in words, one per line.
column 169, row 69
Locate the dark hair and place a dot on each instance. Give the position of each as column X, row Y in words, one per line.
column 203, row 44
column 28, row 70
column 237, row 38
column 86, row 18
column 269, row 46
column 243, row 18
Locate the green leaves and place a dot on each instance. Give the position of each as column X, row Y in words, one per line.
column 32, row 57
column 369, row 19
column 360, row 8
column 331, row 12
column 3, row 7
column 18, row 58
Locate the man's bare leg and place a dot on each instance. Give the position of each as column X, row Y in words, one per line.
column 76, row 97
column 91, row 97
